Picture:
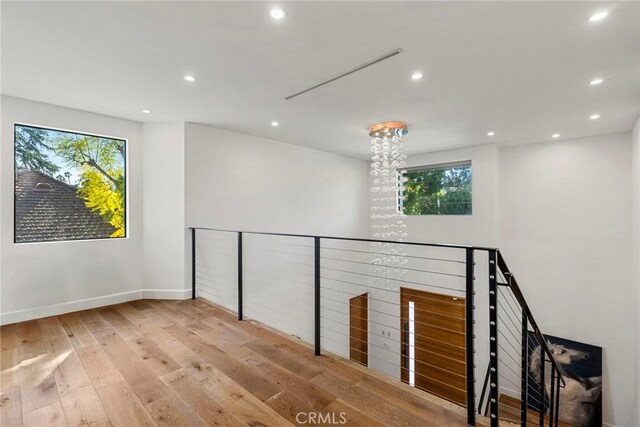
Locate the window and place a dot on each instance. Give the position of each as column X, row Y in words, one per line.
column 443, row 189
column 68, row 186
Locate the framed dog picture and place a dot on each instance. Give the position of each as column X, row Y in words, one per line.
column 581, row 368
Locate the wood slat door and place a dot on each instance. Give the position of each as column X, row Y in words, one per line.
column 359, row 329
column 439, row 343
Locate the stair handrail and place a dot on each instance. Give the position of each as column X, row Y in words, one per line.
column 515, row 288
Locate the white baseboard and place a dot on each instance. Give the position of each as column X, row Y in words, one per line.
column 88, row 303
column 166, row 293
column 67, row 307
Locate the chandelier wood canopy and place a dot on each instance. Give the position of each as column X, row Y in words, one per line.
column 388, row 129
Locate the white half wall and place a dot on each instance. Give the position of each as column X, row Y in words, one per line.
column 165, row 235
column 41, row 279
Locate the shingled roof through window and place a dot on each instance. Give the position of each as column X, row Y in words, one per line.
column 47, row 210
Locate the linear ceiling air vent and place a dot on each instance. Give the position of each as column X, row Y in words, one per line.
column 358, row 68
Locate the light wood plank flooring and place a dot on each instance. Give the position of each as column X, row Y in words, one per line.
column 184, row 363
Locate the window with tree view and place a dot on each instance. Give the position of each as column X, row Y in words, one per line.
column 68, row 186
column 437, row 190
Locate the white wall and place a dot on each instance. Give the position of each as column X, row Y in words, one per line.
column 635, row 197
column 42, row 279
column 565, row 230
column 164, row 245
column 242, row 182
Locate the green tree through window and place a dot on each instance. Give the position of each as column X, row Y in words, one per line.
column 438, row 190
column 30, row 149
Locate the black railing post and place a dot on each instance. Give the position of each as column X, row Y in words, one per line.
column 193, row 263
column 470, row 338
column 524, row 380
column 555, row 421
column 316, row 273
column 240, row 275
column 493, row 338
column 552, row 399
column 543, row 357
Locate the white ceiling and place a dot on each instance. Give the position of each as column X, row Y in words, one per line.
column 520, row 69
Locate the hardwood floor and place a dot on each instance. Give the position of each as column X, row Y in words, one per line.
column 184, row 363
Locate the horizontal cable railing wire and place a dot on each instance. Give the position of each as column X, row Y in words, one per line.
column 435, row 313
column 370, row 264
column 404, row 256
column 405, row 369
column 215, row 268
column 279, row 284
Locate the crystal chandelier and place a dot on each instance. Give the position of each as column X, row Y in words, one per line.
column 388, row 160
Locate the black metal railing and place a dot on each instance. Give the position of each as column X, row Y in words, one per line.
column 306, row 285
column 527, row 365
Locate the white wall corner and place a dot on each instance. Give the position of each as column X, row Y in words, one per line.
column 164, row 246
column 635, row 198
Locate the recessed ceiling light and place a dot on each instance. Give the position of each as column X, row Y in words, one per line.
column 278, row 13
column 190, row 78
column 146, row 111
column 555, row 136
column 416, row 76
column 598, row 16
column 596, row 81
column 491, row 133
column 594, row 116
column 275, row 124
